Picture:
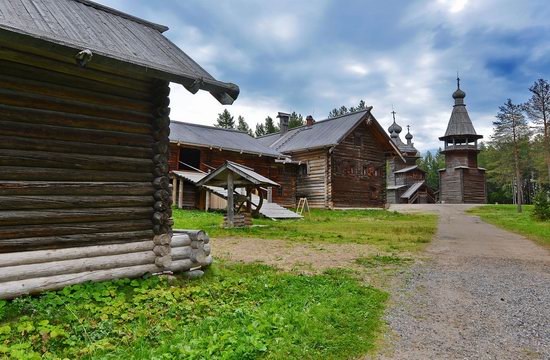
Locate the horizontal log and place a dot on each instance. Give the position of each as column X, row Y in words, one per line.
column 76, row 188
column 68, row 202
column 30, row 217
column 58, row 230
column 67, row 92
column 49, row 174
column 14, row 98
column 53, row 242
column 72, row 161
column 181, row 253
column 13, row 289
column 43, row 64
column 80, row 265
column 194, row 235
column 59, row 118
column 44, row 256
column 74, row 147
column 180, row 240
column 187, row 264
column 50, row 132
column 23, row 71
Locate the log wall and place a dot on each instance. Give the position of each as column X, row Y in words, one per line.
column 358, row 176
column 474, row 186
column 84, row 192
column 314, row 185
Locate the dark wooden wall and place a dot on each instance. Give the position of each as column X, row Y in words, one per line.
column 76, row 154
column 474, row 186
column 358, row 171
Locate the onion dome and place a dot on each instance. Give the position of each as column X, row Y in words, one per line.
column 409, row 135
column 459, row 94
column 394, row 128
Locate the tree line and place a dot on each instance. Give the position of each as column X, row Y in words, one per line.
column 517, row 156
column 227, row 121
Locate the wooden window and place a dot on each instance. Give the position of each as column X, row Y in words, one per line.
column 303, row 169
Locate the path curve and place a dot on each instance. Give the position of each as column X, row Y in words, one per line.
column 484, row 293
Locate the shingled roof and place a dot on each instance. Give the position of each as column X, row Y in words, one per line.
column 225, row 139
column 460, row 125
column 325, row 133
column 75, row 25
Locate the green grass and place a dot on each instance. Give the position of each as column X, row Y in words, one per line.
column 375, row 261
column 234, row 312
column 506, row 217
column 389, row 231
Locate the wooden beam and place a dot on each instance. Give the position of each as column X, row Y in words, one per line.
column 230, row 201
column 180, row 194
column 174, row 189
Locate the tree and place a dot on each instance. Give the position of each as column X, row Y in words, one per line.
column 260, row 130
column 511, row 130
column 243, row 126
column 225, row 120
column 538, row 110
column 431, row 165
column 295, row 120
column 342, row 110
column 270, row 126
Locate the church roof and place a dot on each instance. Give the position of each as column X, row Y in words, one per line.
column 460, row 124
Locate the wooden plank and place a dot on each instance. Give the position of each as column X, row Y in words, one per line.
column 47, row 174
column 75, row 188
column 9, row 157
column 76, row 147
column 61, row 216
column 60, row 229
column 67, row 202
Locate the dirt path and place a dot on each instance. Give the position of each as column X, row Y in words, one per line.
column 485, row 294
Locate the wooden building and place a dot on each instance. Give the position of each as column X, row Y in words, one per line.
column 406, row 181
column 341, row 161
column 84, row 187
column 462, row 181
column 198, row 149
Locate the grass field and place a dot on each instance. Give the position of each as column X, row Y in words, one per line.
column 236, row 311
column 389, row 231
column 506, row 217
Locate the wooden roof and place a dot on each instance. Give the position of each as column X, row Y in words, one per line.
column 243, row 176
column 75, row 25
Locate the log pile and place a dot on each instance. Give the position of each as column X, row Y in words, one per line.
column 31, row 272
column 240, row 220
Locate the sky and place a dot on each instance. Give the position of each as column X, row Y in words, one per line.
column 311, row 56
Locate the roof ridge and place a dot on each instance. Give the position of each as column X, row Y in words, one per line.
column 288, row 138
column 158, row 27
column 209, row 127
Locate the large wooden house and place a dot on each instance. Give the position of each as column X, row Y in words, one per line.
column 84, row 187
column 197, row 149
column 341, row 161
column 461, row 181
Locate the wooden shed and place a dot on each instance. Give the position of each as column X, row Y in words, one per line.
column 84, row 127
column 342, row 160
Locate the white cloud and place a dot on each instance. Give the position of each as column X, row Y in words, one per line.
column 357, row 69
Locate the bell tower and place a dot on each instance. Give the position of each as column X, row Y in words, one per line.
column 462, row 181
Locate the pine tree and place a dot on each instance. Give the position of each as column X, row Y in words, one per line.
column 270, row 127
column 260, row 130
column 295, row 120
column 225, row 120
column 342, row 110
column 243, row 126
column 538, row 110
column 511, row 129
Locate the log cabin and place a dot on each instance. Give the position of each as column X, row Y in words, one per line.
column 197, row 149
column 84, row 138
column 341, row 161
column 406, row 181
column 461, row 181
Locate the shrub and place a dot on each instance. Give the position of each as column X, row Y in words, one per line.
column 541, row 210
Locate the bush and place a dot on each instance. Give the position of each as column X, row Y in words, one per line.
column 541, row 210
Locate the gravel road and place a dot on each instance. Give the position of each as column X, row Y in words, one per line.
column 483, row 293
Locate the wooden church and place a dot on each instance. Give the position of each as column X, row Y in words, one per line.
column 462, row 181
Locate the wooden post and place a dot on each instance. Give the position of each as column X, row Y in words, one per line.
column 180, row 194
column 230, row 201
column 207, row 202
column 174, row 188
column 248, row 200
column 269, row 194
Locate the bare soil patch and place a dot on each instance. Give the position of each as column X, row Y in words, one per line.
column 307, row 258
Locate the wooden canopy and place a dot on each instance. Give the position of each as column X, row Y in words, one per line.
column 243, row 176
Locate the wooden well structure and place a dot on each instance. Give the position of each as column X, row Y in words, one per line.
column 84, row 126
